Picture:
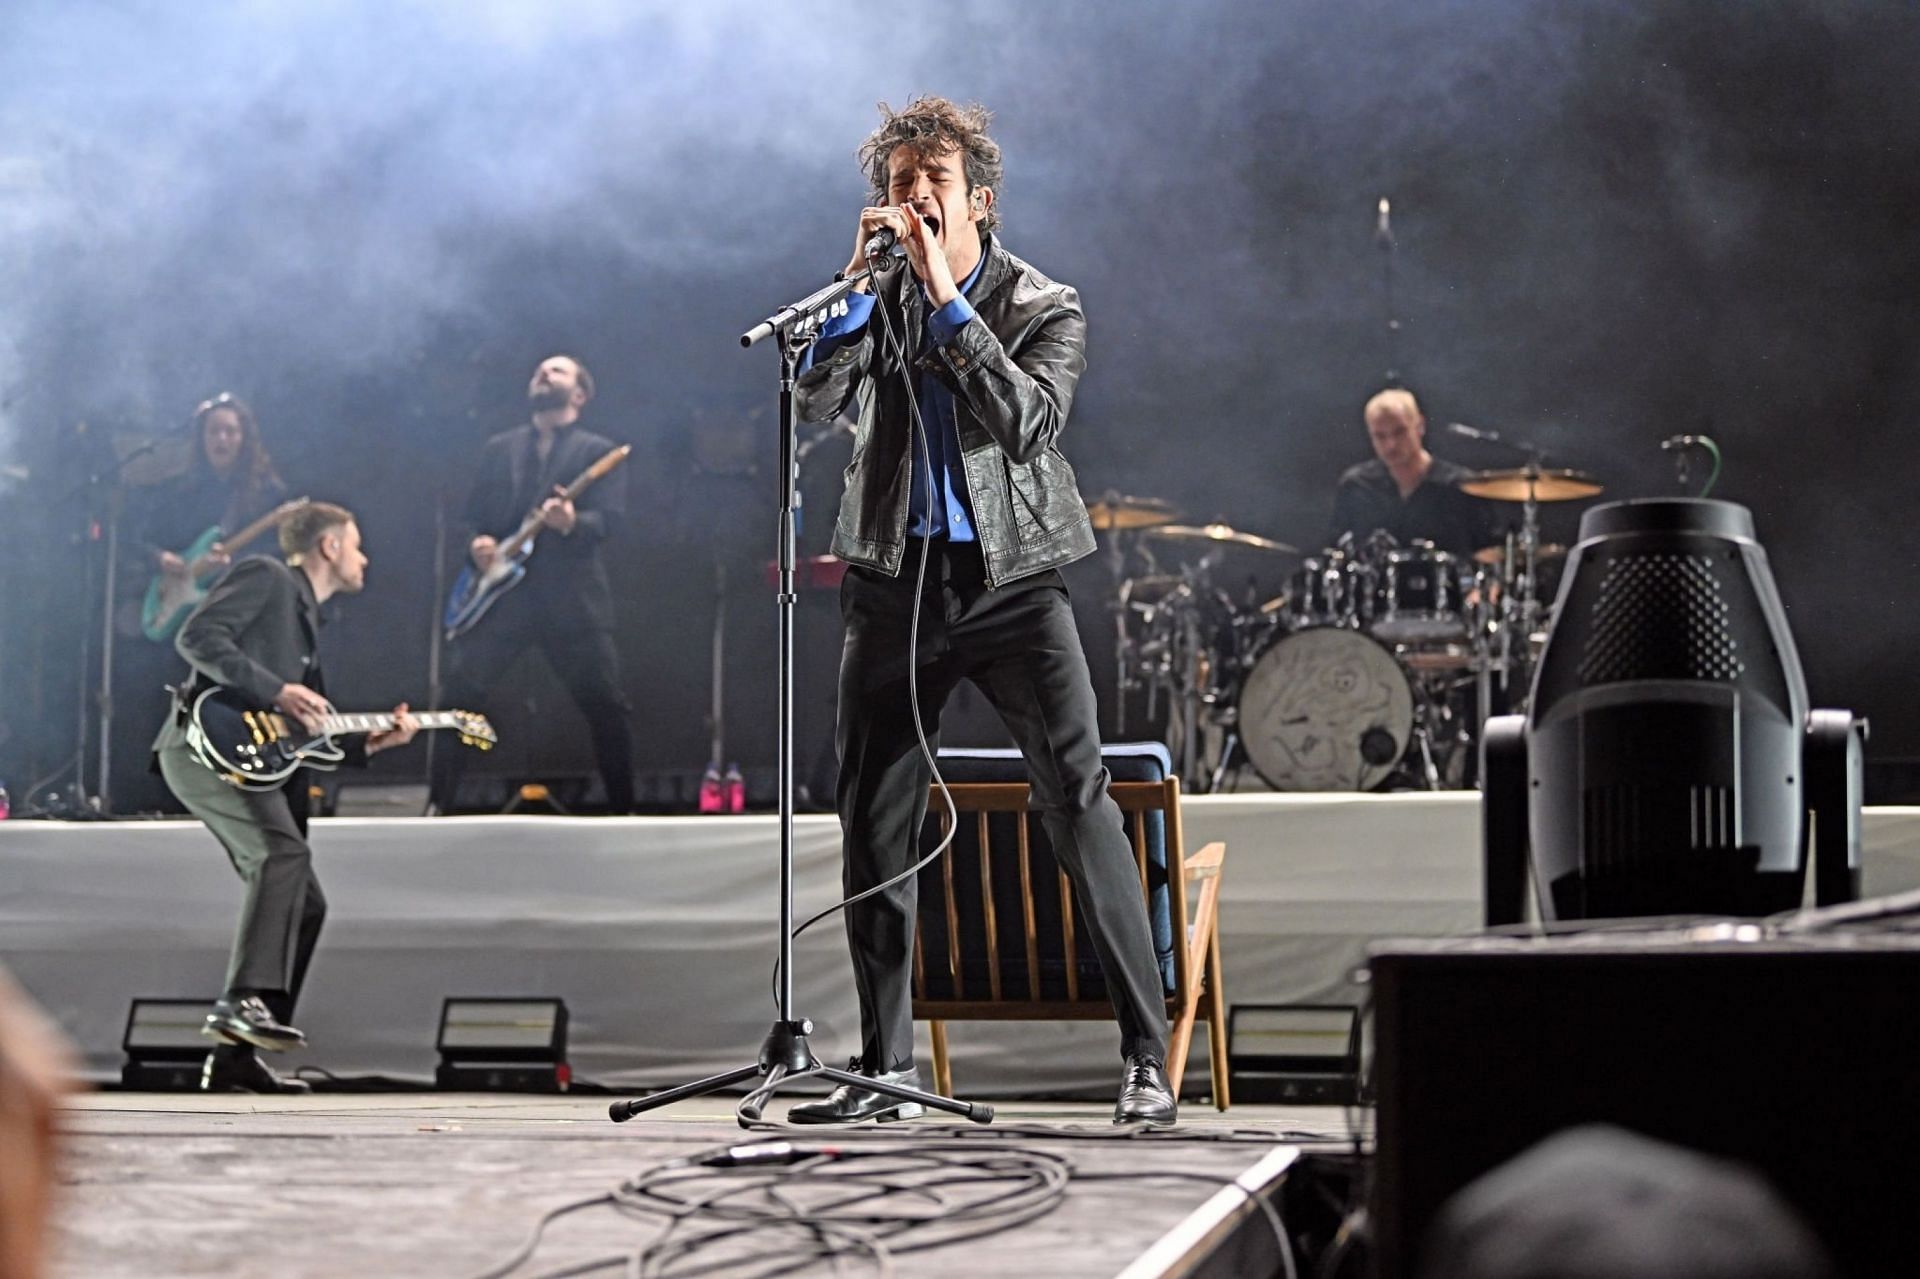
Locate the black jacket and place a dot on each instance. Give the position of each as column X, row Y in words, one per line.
column 257, row 629
column 1012, row 371
column 1438, row 511
column 566, row 580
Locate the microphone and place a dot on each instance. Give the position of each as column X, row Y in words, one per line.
column 1383, row 228
column 1474, row 432
column 1682, row 472
column 1682, row 446
column 885, row 244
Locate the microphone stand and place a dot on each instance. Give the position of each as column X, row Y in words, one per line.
column 105, row 494
column 1383, row 236
column 784, row 1054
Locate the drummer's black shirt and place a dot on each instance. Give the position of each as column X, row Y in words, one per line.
column 1437, row 511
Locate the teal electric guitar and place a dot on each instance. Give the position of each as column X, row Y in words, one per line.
column 170, row 599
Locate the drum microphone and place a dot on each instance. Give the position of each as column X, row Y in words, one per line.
column 1473, row 432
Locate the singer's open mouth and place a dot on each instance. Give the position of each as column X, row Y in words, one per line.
column 933, row 223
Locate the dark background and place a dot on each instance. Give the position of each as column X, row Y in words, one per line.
column 1616, row 220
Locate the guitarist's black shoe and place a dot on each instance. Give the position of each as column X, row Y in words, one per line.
column 250, row 1021
column 231, row 1069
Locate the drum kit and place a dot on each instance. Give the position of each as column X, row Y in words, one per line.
column 1372, row 668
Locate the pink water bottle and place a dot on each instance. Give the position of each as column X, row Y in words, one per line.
column 712, row 798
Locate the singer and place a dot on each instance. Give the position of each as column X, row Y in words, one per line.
column 1405, row 490
column 993, row 350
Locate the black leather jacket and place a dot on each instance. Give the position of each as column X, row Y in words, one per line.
column 1012, row 372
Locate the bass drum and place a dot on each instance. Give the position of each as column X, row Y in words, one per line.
column 1326, row 709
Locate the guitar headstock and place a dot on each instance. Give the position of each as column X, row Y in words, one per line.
column 474, row 730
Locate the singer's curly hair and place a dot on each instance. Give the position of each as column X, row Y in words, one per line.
column 933, row 126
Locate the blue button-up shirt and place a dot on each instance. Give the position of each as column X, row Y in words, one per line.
column 952, row 514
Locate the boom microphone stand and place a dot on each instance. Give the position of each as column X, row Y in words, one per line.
column 784, row 1054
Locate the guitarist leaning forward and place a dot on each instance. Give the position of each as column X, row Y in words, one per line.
column 564, row 608
column 257, row 631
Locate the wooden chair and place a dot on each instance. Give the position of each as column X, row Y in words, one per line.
column 997, row 938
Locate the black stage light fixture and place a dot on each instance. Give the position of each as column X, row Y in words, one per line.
column 1667, row 760
column 163, row 1044
column 503, row 1045
column 1294, row 1054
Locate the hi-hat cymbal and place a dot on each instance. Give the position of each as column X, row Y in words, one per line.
column 1116, row 511
column 1223, row 534
column 1494, row 554
column 1522, row 482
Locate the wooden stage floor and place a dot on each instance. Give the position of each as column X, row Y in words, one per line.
column 344, row 1184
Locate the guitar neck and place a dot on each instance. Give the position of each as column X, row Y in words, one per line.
column 381, row 721
column 270, row 520
column 531, row 526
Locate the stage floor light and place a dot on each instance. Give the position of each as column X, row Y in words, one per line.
column 163, row 1044
column 1294, row 1054
column 503, row 1045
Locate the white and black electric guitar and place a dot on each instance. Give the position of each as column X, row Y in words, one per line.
column 257, row 747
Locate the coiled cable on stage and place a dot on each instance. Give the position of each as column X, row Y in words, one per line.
column 774, row 1207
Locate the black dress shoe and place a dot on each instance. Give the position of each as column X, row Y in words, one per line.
column 250, row 1021
column 241, row 1070
column 1145, row 1095
column 848, row 1104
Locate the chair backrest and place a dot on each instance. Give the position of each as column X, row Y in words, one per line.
column 997, row 919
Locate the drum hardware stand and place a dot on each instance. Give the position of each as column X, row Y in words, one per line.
column 1521, row 559
column 1122, row 602
column 785, row 1054
column 1219, row 777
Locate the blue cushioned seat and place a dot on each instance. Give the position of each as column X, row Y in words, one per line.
column 1126, row 762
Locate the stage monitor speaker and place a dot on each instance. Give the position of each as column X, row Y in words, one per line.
column 1791, row 1056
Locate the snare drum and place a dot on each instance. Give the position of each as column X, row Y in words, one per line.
column 1418, row 596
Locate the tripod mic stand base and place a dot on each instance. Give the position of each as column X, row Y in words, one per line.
column 785, row 1056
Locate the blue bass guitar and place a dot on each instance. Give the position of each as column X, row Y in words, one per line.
column 475, row 592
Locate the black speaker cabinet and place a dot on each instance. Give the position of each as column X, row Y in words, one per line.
column 1797, row 1059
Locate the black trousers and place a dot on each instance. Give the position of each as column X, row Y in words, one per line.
column 588, row 667
column 265, row 835
column 1018, row 644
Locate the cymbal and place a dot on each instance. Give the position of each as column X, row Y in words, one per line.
column 1494, row 554
column 1544, row 486
column 1223, row 534
column 1115, row 511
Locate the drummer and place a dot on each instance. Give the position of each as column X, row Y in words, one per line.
column 1407, row 491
